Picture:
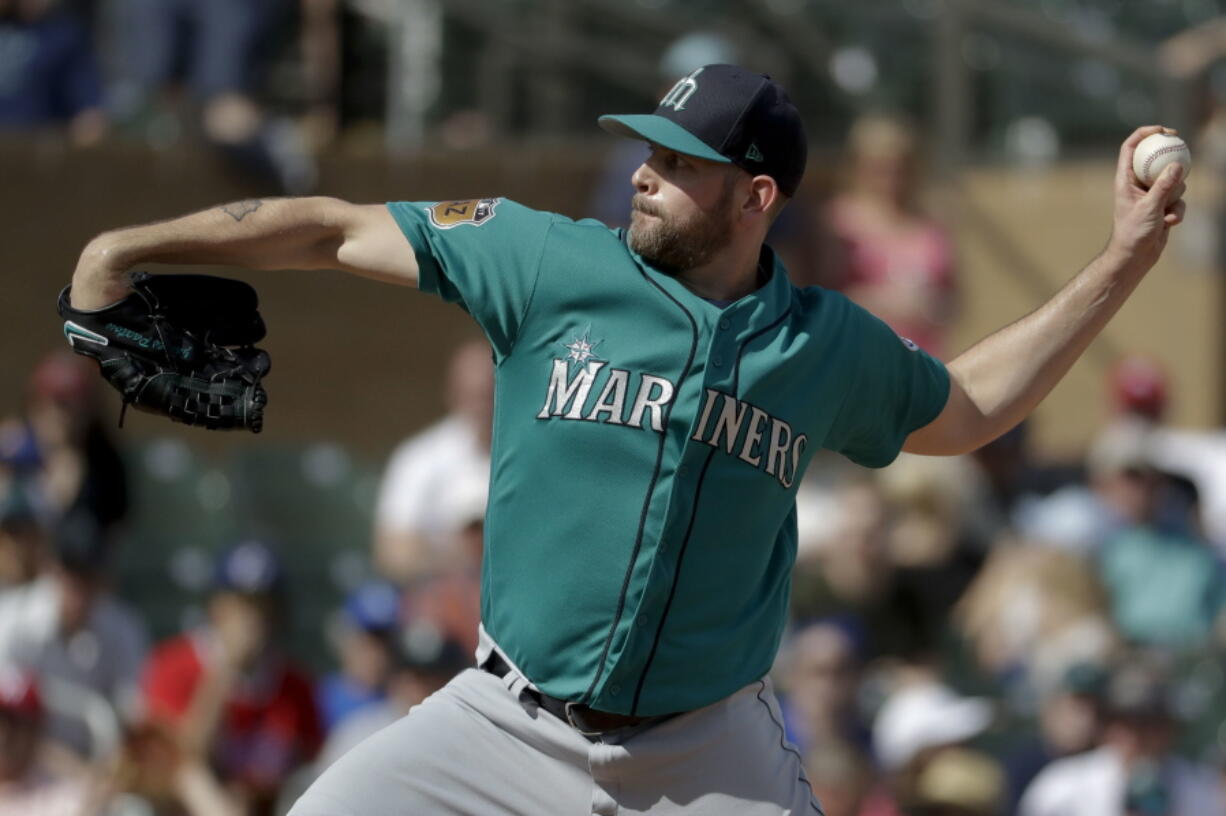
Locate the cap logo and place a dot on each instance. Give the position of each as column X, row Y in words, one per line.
column 681, row 92
column 753, row 154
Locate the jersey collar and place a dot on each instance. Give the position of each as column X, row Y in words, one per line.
column 760, row 307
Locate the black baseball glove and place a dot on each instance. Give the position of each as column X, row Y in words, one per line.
column 181, row 346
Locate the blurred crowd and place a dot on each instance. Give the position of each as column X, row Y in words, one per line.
column 990, row 635
column 260, row 81
column 219, row 719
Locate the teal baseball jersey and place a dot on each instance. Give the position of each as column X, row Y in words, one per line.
column 647, row 448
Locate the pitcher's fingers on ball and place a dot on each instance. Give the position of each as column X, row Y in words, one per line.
column 1124, row 173
column 1165, row 186
column 1141, row 134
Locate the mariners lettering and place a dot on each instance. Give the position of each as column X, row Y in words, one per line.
column 594, row 392
column 753, row 436
column 727, row 424
column 742, row 428
column 663, row 395
column 612, row 399
column 572, row 395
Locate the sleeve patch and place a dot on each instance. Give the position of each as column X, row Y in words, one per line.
column 450, row 214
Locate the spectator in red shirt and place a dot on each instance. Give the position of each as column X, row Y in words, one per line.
column 228, row 692
column 882, row 249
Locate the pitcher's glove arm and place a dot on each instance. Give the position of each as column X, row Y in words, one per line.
column 181, row 346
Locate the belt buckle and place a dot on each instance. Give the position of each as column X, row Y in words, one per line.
column 573, row 722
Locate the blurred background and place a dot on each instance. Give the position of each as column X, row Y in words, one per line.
column 196, row 623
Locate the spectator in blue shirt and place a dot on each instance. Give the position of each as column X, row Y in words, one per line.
column 363, row 645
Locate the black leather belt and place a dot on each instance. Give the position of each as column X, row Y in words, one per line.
column 587, row 721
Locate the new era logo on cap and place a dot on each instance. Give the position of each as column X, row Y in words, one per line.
column 726, row 114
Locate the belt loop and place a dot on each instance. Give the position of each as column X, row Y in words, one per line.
column 575, row 724
column 515, row 682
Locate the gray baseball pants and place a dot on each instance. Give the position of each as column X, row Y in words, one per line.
column 479, row 747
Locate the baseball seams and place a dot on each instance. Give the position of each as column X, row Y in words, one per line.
column 1162, row 151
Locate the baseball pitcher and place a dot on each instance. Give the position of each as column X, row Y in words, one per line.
column 659, row 392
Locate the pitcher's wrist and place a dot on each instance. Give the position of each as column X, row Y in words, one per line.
column 101, row 276
column 1125, row 260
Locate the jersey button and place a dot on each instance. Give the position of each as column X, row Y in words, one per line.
column 615, row 689
column 723, row 323
column 717, row 361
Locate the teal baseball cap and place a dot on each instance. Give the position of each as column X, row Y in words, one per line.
column 726, row 114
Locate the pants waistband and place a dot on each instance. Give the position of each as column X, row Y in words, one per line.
column 587, row 721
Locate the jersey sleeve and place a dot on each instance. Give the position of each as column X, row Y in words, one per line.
column 896, row 387
column 482, row 254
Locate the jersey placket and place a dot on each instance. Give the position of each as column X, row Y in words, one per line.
column 721, row 338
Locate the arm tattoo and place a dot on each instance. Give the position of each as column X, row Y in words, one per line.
column 239, row 210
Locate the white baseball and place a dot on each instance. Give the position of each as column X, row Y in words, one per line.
column 1155, row 152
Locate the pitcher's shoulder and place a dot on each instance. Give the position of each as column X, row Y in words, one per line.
column 589, row 227
column 818, row 303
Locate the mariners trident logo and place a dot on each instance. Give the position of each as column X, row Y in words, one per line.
column 681, row 92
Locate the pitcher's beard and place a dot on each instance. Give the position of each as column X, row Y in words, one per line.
column 675, row 245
